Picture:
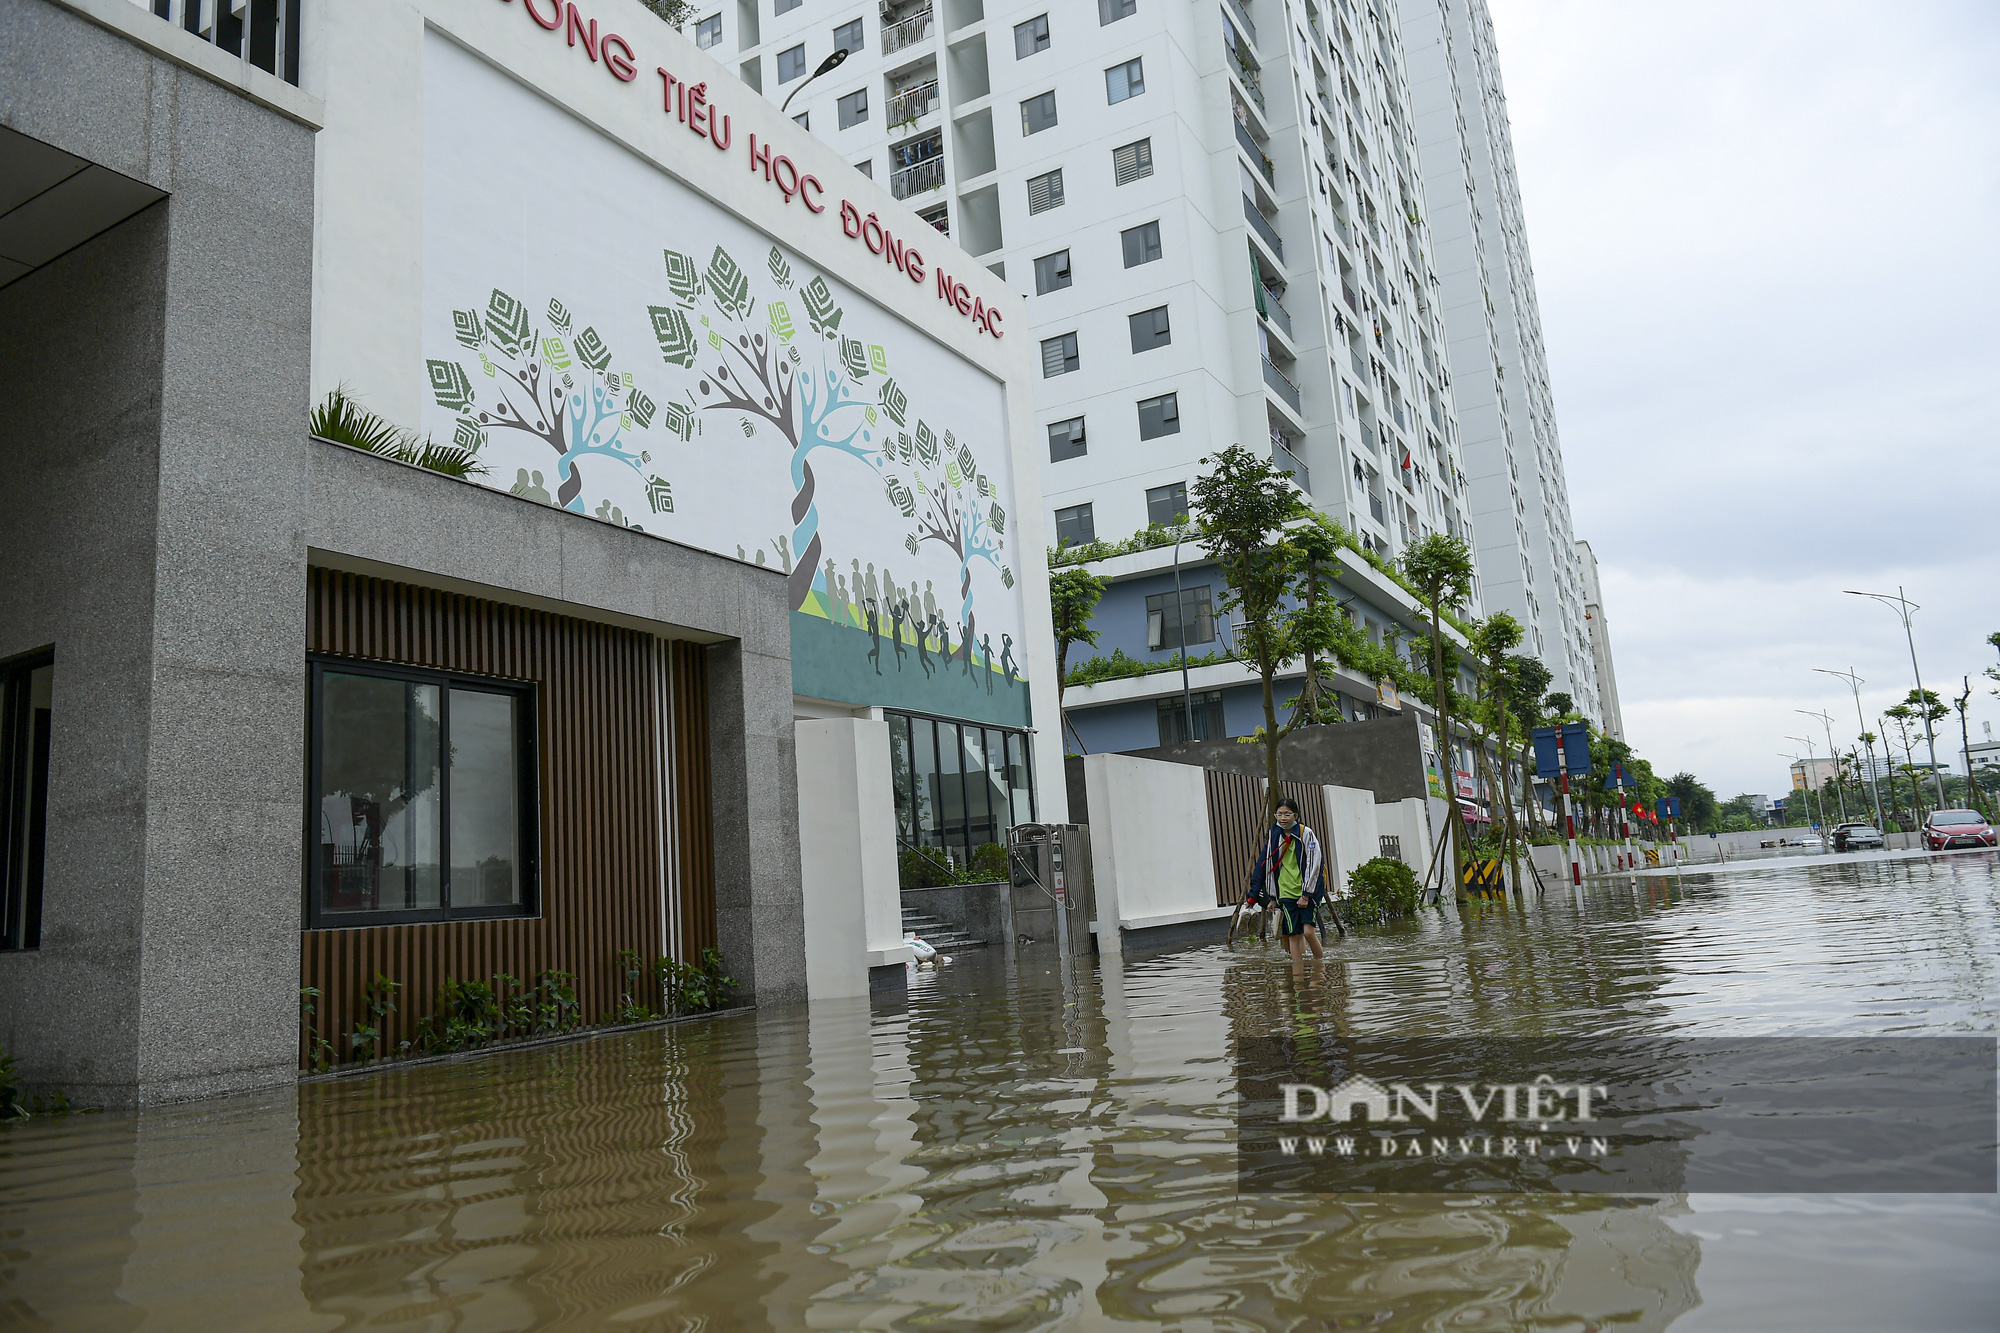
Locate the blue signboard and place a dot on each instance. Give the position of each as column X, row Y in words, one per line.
column 1668, row 807
column 1576, row 749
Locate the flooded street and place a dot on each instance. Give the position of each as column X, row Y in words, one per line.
column 1044, row 1150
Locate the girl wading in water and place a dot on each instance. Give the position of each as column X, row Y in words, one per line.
column 1291, row 872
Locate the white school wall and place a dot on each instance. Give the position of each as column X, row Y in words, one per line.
column 847, row 860
column 1149, row 844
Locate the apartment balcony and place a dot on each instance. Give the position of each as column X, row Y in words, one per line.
column 265, row 34
column 1262, row 226
column 1246, row 74
column 1242, row 18
column 1360, row 365
column 907, row 106
column 908, row 31
column 1380, row 514
column 1285, row 460
column 1257, row 156
column 1353, row 302
column 1273, row 310
column 938, row 216
column 1281, row 384
column 921, row 178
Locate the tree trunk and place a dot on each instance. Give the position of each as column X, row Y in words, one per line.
column 1447, row 758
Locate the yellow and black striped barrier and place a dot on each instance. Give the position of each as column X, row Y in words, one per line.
column 1484, row 879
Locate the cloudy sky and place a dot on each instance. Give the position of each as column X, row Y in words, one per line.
column 1765, row 238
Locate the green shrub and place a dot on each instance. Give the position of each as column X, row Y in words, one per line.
column 1384, row 889
column 925, row 868
column 989, row 863
column 691, row 988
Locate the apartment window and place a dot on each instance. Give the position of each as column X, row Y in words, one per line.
column 1031, row 37
column 1133, row 161
column 804, row 120
column 1167, row 505
column 1159, row 416
column 1150, row 329
column 785, row 6
column 1038, row 113
column 1123, row 81
column 866, row 168
column 1045, row 192
column 847, row 37
column 423, row 796
column 792, row 63
column 27, row 685
column 1058, row 355
column 1052, row 273
column 1075, row 526
column 1110, row 11
column 708, row 32
column 1165, row 622
column 1066, row 440
column 1142, row 244
column 1206, row 722
column 854, row 108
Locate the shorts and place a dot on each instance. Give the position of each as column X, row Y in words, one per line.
column 1295, row 915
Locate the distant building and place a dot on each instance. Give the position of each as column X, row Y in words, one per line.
column 1600, row 644
column 1812, row 774
column 1985, row 756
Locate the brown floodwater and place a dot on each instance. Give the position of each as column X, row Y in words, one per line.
column 1035, row 1147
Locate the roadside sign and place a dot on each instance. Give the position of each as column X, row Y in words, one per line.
column 1576, row 749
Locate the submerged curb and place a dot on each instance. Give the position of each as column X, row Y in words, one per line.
column 519, row 1044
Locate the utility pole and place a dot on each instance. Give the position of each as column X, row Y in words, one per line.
column 1855, row 683
column 1906, row 608
column 1833, row 757
column 1810, row 761
column 1180, row 617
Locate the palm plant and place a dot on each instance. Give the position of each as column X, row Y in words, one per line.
column 344, row 421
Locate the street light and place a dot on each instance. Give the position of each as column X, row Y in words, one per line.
column 1855, row 683
column 1905, row 608
column 1790, row 813
column 1180, row 617
column 830, row 62
column 1833, row 757
column 1810, row 760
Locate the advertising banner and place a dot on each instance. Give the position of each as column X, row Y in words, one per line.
column 607, row 340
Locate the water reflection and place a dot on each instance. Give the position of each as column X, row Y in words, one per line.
column 1041, row 1149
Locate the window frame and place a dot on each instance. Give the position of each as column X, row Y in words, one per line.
column 24, row 848
column 1072, row 355
column 1151, row 491
column 1068, row 273
column 1039, row 42
column 800, row 73
column 1173, row 398
column 1110, row 11
column 1159, row 244
column 860, row 37
column 716, row 19
column 1077, row 445
column 527, row 738
column 1087, row 511
column 1028, row 129
column 1161, row 333
column 1142, row 161
column 841, row 108
column 1054, row 180
column 1136, row 65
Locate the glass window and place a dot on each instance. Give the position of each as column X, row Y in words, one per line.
column 1017, row 778
column 1164, row 624
column 903, row 776
column 1045, row 192
column 1167, row 504
column 1031, row 37
column 422, row 793
column 708, row 32
column 1066, row 440
column 1150, row 329
column 785, row 6
column 1075, row 526
column 847, row 37
column 27, row 688
column 1159, row 416
column 804, row 120
column 1132, row 162
column 854, row 108
column 1141, row 243
column 1052, row 273
column 792, row 63
column 866, row 168
column 1059, row 356
column 951, row 790
column 1110, row 11
column 1038, row 113
column 1207, row 719
column 924, row 789
column 979, row 829
column 996, row 783
column 1123, row 81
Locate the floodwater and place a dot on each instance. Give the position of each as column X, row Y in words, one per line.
column 1040, row 1150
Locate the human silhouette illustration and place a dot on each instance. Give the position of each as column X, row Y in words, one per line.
column 986, row 650
column 1007, row 658
column 923, row 649
column 875, row 633
column 897, row 610
column 930, row 602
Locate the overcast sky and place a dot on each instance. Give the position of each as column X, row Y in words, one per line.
column 1764, row 240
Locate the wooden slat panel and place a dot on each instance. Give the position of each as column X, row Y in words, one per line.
column 1236, row 825
column 600, row 797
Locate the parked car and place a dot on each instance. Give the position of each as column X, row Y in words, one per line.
column 1957, row 828
column 1855, row 835
column 1811, row 842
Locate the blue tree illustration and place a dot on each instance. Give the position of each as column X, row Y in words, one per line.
column 951, row 489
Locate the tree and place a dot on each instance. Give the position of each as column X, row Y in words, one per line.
column 674, row 13
column 1318, row 629
column 1526, row 683
column 1698, row 804
column 1492, row 641
column 1441, row 568
column 1073, row 597
column 1242, row 505
column 1965, row 742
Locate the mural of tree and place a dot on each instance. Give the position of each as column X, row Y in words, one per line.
column 557, row 387
column 948, row 502
column 810, row 398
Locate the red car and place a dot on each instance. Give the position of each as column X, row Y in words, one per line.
column 1957, row 828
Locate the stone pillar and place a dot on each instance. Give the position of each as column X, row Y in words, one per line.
column 847, row 849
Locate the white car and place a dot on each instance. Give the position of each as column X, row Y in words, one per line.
column 1811, row 842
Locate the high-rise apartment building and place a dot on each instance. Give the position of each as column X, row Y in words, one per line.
column 1527, row 555
column 1215, row 210
column 1599, row 627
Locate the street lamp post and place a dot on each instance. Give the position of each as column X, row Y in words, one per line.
column 1833, row 757
column 1855, row 683
column 1906, row 608
column 1180, row 618
column 831, row 62
column 1810, row 761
